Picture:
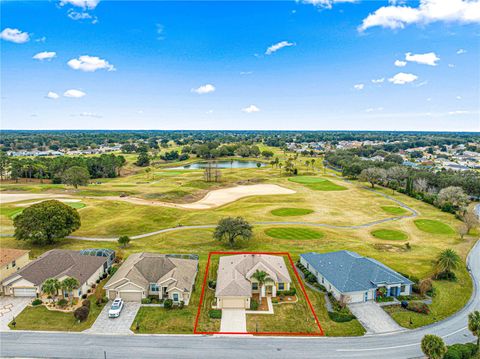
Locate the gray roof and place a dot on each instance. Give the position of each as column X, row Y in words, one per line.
column 58, row 263
column 350, row 272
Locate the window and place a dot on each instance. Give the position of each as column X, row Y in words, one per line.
column 14, row 264
column 175, row 297
column 281, row 286
column 254, row 286
column 402, row 288
column 153, row 287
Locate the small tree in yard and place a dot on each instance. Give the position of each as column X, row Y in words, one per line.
column 462, row 230
column 233, row 228
column 76, row 176
column 433, row 347
column 470, row 220
column 124, row 241
column 81, row 314
column 474, row 325
column 447, row 261
column 69, row 284
column 425, row 285
column 454, row 196
column 373, row 176
column 51, row 287
column 261, row 278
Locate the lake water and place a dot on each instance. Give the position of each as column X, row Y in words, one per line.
column 219, row 164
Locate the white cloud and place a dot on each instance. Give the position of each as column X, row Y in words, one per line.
column 374, row 109
column 14, row 35
column 209, row 112
column 52, row 95
column 41, row 39
column 428, row 11
column 400, row 63
column 451, row 65
column 278, row 46
column 358, row 86
column 160, row 32
column 461, row 51
column 208, row 88
column 246, row 72
column 402, row 78
column 458, row 97
column 430, row 58
column 84, row 4
column 459, row 112
column 378, row 81
column 74, row 93
column 327, row 4
column 251, row 109
column 90, row 114
column 90, row 64
column 45, row 55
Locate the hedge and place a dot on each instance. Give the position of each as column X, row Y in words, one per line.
column 340, row 317
column 215, row 313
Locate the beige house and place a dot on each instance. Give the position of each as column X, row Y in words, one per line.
column 12, row 260
column 59, row 264
column 152, row 274
column 235, row 282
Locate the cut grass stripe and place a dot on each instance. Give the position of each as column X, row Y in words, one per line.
column 286, row 212
column 317, row 183
column 293, row 233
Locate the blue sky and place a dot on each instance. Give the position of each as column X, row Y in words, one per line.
column 206, row 65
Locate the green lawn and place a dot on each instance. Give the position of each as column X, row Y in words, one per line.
column 432, row 226
column 390, row 234
column 287, row 212
column 293, row 233
column 161, row 320
column 398, row 211
column 12, row 212
column 317, row 183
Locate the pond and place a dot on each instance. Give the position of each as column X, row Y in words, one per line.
column 219, row 164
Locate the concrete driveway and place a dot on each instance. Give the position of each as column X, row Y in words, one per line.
column 120, row 325
column 233, row 321
column 373, row 318
column 11, row 307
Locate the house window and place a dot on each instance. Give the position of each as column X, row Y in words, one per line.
column 402, row 288
column 14, row 264
column 281, row 286
column 254, row 286
column 175, row 297
column 153, row 287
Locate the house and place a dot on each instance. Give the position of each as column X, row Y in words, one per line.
column 235, row 282
column 152, row 274
column 59, row 264
column 352, row 278
column 12, row 260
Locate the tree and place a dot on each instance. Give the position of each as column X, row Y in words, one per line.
column 232, row 228
column 143, row 160
column 453, row 195
column 425, row 286
column 76, row 176
column 396, row 175
column 123, row 241
column 470, row 220
column 267, row 154
column 447, row 261
column 81, row 313
column 373, row 175
column 462, row 230
column 261, row 278
column 4, row 163
column 474, row 325
column 68, row 285
column 393, row 158
column 44, row 222
column 433, row 347
column 51, row 286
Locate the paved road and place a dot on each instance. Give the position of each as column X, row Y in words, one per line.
column 401, row 345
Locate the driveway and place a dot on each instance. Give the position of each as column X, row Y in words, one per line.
column 373, row 318
column 11, row 307
column 120, row 325
column 233, row 321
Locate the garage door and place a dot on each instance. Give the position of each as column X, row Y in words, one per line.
column 233, row 303
column 24, row 292
column 131, row 296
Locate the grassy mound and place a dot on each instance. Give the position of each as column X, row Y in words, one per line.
column 293, row 233
column 317, row 183
column 287, row 212
column 432, row 226
column 389, row 234
column 394, row 210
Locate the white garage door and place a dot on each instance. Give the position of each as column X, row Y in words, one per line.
column 233, row 303
column 24, row 292
column 131, row 296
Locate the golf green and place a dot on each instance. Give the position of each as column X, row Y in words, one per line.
column 389, row 234
column 432, row 226
column 394, row 210
column 317, row 183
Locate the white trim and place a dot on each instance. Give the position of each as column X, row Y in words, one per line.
column 136, row 285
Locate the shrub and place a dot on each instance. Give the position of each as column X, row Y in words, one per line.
column 99, row 302
column 290, row 292
column 311, row 278
column 215, row 313
column 37, row 301
column 84, row 296
column 81, row 313
column 168, row 303
column 212, row 284
column 94, row 286
column 146, row 301
column 181, row 305
column 418, row 307
column 340, row 317
column 425, row 285
column 253, row 304
column 97, row 281
column 404, row 304
column 461, row 351
column 89, row 291
column 62, row 303
column 450, row 276
column 105, row 299
column 112, row 271
column 86, row 303
column 320, row 286
column 275, row 300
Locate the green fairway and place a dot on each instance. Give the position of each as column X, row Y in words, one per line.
column 293, row 233
column 287, row 212
column 15, row 211
column 317, row 183
column 394, row 210
column 432, row 226
column 390, row 235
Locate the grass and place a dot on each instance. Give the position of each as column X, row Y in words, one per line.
column 317, row 183
column 161, row 320
column 293, row 233
column 398, row 211
column 287, row 212
column 12, row 212
column 434, row 227
column 389, row 235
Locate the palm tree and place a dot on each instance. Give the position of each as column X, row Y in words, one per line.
column 51, row 287
column 69, row 284
column 433, row 347
column 261, row 278
column 448, row 260
column 474, row 325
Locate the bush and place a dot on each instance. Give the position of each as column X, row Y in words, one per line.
column 340, row 317
column 404, row 304
column 215, row 313
column 99, row 302
column 212, row 283
column 94, row 286
column 450, row 276
column 168, row 303
column 84, row 296
column 253, row 304
column 112, row 271
column 62, row 303
column 418, row 307
column 81, row 313
column 461, row 351
column 86, row 303
column 275, row 300
column 320, row 286
column 36, row 302
column 181, row 305
column 290, row 292
column 146, row 301
column 97, row 281
column 310, row 278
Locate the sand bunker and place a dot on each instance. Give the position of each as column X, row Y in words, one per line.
column 17, row 197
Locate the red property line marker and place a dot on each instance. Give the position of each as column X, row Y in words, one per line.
column 195, row 331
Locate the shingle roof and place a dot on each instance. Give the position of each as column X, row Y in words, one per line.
column 234, row 271
column 58, row 263
column 350, row 272
column 9, row 254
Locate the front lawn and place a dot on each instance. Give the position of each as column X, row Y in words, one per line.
column 389, row 235
column 161, row 320
column 287, row 212
column 293, row 233
column 434, row 227
column 317, row 183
